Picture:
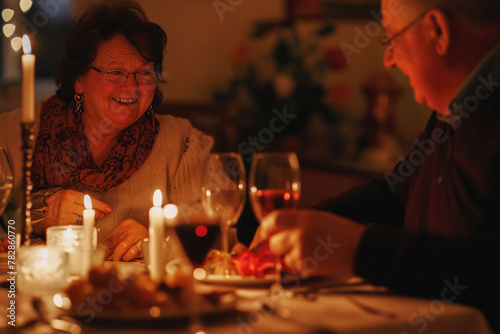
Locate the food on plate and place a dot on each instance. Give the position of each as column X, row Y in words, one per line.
column 214, row 263
column 105, row 287
column 258, row 262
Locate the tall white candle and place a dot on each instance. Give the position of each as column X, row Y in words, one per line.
column 88, row 228
column 156, row 238
column 28, row 64
column 88, row 222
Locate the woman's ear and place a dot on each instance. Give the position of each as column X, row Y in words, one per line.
column 439, row 26
column 78, row 86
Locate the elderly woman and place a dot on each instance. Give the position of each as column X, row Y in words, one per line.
column 99, row 135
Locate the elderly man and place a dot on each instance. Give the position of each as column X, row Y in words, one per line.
column 432, row 226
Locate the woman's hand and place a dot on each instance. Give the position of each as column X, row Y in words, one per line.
column 66, row 205
column 312, row 242
column 122, row 241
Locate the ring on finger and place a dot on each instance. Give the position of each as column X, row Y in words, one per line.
column 79, row 220
column 139, row 245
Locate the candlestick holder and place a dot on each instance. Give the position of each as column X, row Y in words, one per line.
column 28, row 138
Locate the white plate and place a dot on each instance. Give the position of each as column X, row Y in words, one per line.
column 128, row 316
column 126, row 269
column 132, row 316
column 239, row 280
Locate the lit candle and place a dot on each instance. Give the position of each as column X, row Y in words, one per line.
column 42, row 270
column 156, row 238
column 28, row 64
column 88, row 222
column 88, row 227
column 68, row 239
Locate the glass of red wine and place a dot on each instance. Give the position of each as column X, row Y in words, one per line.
column 274, row 183
column 197, row 232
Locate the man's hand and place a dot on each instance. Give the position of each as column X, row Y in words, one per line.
column 66, row 205
column 122, row 241
column 312, row 242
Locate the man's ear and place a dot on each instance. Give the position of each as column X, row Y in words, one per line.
column 439, row 27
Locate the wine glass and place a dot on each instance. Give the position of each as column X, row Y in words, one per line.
column 6, row 178
column 197, row 231
column 223, row 193
column 274, row 183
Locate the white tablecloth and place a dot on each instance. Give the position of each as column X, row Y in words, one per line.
column 355, row 309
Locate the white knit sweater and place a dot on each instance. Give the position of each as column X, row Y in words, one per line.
column 172, row 166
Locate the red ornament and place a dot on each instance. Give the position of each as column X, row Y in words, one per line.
column 335, row 58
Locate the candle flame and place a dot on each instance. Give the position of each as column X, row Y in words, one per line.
column 157, row 199
column 87, row 202
column 170, row 211
column 26, row 44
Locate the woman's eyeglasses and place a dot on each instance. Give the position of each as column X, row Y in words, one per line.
column 119, row 76
column 386, row 40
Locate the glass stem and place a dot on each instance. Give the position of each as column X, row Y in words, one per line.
column 225, row 248
column 278, row 271
column 196, row 325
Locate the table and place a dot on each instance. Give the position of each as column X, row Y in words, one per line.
column 359, row 308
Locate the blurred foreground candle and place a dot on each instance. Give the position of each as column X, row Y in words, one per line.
column 28, row 64
column 68, row 237
column 42, row 269
column 71, row 239
column 156, row 238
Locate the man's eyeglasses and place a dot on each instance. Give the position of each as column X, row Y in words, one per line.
column 386, row 40
column 119, row 76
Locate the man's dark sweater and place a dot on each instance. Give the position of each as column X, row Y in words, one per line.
column 434, row 222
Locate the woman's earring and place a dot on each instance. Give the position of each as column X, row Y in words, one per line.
column 149, row 112
column 78, row 104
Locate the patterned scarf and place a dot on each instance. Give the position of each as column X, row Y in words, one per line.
column 62, row 156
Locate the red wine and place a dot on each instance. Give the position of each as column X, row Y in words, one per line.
column 267, row 200
column 197, row 239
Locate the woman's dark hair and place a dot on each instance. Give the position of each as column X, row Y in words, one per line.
column 99, row 23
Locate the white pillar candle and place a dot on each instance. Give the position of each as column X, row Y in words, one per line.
column 88, row 227
column 28, row 101
column 156, row 238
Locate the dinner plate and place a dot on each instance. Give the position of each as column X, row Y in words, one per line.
column 126, row 269
column 137, row 316
column 239, row 280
